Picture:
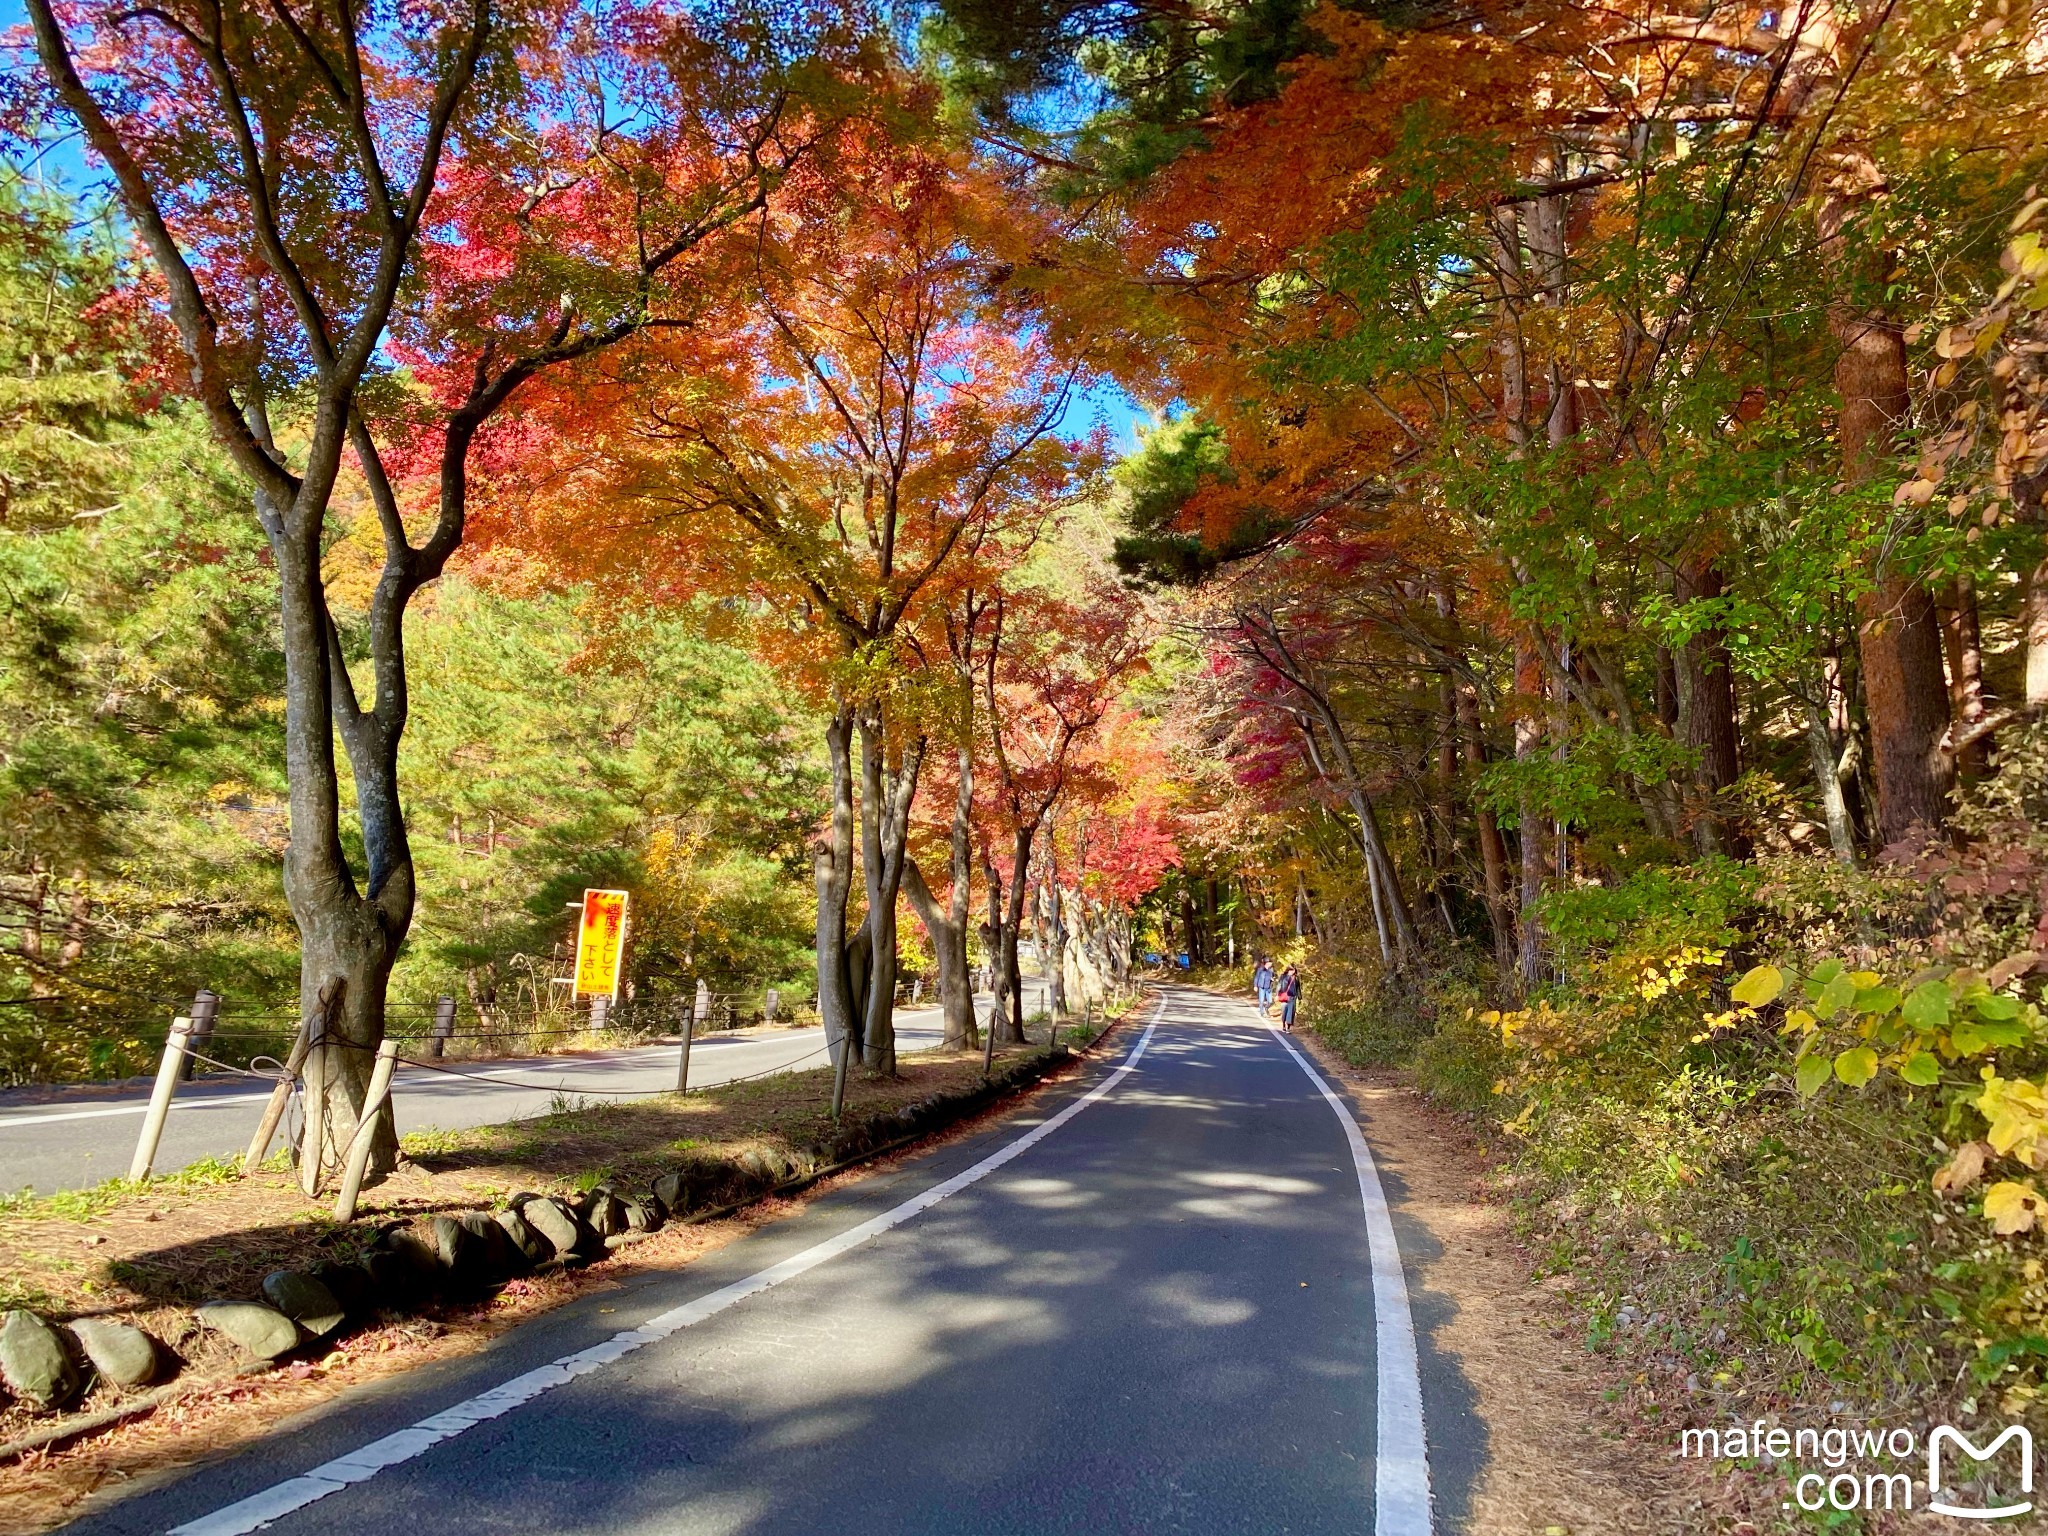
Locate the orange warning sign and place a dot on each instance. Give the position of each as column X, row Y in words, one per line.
column 601, row 944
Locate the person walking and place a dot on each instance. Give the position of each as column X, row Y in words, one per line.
column 1262, row 984
column 1289, row 994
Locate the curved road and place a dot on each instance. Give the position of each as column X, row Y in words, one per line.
column 1163, row 1297
column 75, row 1140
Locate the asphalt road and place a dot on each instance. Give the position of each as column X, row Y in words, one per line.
column 1159, row 1298
column 76, row 1141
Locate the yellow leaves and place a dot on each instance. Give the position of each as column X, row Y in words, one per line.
column 1856, row 1066
column 1657, row 976
column 1760, row 986
column 2013, row 1208
column 1963, row 1169
column 2018, row 1114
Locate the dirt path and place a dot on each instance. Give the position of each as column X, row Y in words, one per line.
column 1562, row 1459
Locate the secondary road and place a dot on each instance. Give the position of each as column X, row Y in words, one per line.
column 1162, row 1297
column 75, row 1142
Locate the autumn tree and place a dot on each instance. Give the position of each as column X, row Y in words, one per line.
column 488, row 192
column 1053, row 668
column 838, row 446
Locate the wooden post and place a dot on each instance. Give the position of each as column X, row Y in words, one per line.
column 313, row 1135
column 988, row 1042
column 168, row 1073
column 683, row 1066
column 205, row 1006
column 273, row 1112
column 366, row 1131
column 848, row 1043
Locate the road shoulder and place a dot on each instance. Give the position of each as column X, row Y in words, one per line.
column 1543, row 1453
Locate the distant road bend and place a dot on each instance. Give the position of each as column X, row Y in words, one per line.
column 75, row 1142
column 1163, row 1296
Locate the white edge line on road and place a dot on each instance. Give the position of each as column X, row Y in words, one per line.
column 1401, row 1474
column 273, row 1503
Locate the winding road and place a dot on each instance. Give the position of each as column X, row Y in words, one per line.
column 1162, row 1296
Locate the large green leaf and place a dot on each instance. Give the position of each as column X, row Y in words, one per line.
column 1921, row 1070
column 1812, row 1075
column 1835, row 996
column 1927, row 1005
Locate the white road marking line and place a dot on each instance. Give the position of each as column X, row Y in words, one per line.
column 274, row 1503
column 9, row 1122
column 1401, row 1492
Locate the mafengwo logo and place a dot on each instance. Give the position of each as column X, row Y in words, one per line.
column 1943, row 1436
column 1866, row 1469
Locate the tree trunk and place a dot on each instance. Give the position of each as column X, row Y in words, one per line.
column 1708, row 685
column 348, row 941
column 2034, row 623
column 1963, row 645
column 1827, row 774
column 1010, row 1030
column 885, row 836
column 998, row 950
column 1904, row 692
column 1907, row 702
column 949, row 948
column 833, row 868
column 1529, row 685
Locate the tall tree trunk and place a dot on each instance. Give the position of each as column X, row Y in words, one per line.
column 348, row 940
column 1708, row 685
column 949, row 948
column 833, row 868
column 1529, row 720
column 995, row 942
column 1011, row 1030
column 1963, row 644
column 1904, row 692
column 1493, row 857
column 885, row 834
column 2034, row 623
column 949, row 928
column 1470, row 743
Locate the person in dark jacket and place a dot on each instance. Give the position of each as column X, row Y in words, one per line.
column 1262, row 984
column 1289, row 994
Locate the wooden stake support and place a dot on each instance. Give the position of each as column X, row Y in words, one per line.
column 280, row 1096
column 169, row 1072
column 313, row 1135
column 358, row 1159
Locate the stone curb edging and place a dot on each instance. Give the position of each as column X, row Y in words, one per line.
column 402, row 1259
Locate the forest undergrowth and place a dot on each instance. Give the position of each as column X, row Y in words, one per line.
column 1787, row 1204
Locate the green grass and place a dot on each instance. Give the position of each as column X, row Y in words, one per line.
column 83, row 1204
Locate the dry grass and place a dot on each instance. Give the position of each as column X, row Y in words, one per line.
column 148, row 1256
